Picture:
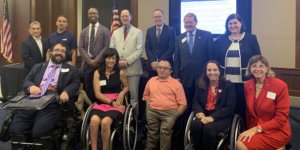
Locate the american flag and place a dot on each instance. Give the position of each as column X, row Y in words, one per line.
column 115, row 23
column 6, row 42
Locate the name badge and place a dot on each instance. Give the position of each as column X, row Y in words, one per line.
column 64, row 39
column 271, row 95
column 102, row 82
column 64, row 70
column 183, row 40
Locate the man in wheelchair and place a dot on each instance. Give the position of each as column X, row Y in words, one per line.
column 55, row 76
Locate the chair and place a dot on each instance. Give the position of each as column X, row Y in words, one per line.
column 127, row 129
column 227, row 138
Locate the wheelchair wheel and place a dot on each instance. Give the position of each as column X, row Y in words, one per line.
column 130, row 126
column 237, row 127
column 85, row 131
column 188, row 145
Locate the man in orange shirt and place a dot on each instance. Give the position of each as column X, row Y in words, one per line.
column 166, row 101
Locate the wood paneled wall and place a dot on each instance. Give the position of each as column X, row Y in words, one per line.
column 297, row 34
column 291, row 77
column 47, row 11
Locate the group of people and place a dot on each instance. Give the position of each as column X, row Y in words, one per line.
column 190, row 72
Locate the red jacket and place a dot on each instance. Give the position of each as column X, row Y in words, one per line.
column 272, row 107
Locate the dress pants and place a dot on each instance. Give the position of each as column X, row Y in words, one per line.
column 36, row 123
column 160, row 125
column 204, row 137
column 133, row 82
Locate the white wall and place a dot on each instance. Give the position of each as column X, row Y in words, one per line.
column 274, row 23
column 145, row 11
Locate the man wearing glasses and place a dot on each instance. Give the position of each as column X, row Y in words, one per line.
column 166, row 101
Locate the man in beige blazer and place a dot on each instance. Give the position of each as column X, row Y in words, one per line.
column 128, row 40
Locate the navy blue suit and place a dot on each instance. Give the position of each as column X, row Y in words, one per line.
column 162, row 49
column 41, row 123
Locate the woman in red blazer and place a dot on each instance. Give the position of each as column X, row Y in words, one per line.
column 268, row 107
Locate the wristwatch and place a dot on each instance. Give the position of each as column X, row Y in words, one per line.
column 259, row 129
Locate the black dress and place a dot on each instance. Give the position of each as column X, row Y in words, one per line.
column 110, row 87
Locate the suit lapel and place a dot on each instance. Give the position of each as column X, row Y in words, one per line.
column 35, row 47
column 251, row 97
column 196, row 41
column 129, row 34
column 62, row 75
column 184, row 42
column 40, row 75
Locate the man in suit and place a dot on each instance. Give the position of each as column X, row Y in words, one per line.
column 94, row 39
column 128, row 41
column 34, row 47
column 63, row 35
column 160, row 42
column 193, row 49
column 64, row 80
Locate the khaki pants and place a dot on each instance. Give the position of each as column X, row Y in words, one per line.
column 160, row 125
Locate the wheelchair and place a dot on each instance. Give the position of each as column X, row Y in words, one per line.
column 125, row 130
column 64, row 135
column 227, row 138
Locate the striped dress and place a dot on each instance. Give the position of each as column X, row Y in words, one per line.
column 233, row 69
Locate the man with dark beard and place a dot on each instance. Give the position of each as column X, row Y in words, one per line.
column 56, row 76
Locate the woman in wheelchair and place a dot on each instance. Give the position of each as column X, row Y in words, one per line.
column 110, row 86
column 213, row 105
column 268, row 106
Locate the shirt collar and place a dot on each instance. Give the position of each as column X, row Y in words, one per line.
column 161, row 28
column 51, row 64
column 37, row 38
column 164, row 80
column 194, row 33
column 96, row 25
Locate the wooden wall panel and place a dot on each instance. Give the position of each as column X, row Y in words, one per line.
column 297, row 34
column 291, row 77
column 47, row 11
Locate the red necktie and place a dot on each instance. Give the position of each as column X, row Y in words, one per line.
column 125, row 33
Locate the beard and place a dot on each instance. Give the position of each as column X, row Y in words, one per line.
column 58, row 59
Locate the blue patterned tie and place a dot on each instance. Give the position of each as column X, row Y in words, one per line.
column 49, row 79
column 191, row 42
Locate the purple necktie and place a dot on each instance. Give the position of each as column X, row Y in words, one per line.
column 49, row 78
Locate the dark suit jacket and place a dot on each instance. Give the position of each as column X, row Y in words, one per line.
column 248, row 47
column 101, row 43
column 271, row 110
column 226, row 101
column 67, row 81
column 162, row 49
column 31, row 54
column 187, row 67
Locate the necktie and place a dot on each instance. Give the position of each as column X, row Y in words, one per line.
column 125, row 33
column 191, row 42
column 158, row 32
column 92, row 38
column 49, row 79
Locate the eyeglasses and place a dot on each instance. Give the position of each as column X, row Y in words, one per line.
column 163, row 68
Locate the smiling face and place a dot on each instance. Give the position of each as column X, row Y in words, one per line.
column 110, row 61
column 164, row 69
column 158, row 17
column 35, row 30
column 93, row 15
column 190, row 23
column 259, row 70
column 234, row 26
column 58, row 54
column 212, row 72
column 61, row 23
column 125, row 17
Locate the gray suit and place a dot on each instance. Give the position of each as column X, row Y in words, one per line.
column 101, row 43
column 131, row 50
